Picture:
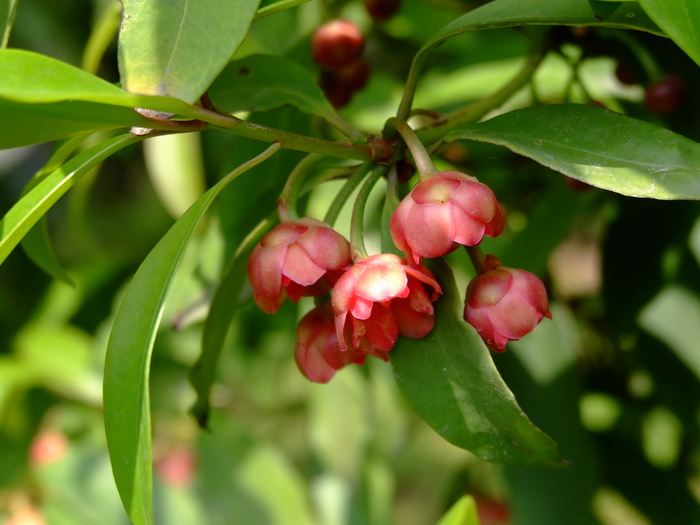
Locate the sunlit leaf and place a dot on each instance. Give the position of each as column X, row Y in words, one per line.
column 599, row 147
column 461, row 513
column 177, row 48
column 127, row 367
column 27, row 211
column 33, row 78
column 449, row 379
column 176, row 169
column 680, row 20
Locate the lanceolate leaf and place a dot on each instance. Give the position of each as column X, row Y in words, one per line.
column 27, row 211
column 127, row 367
column 449, row 379
column 599, row 147
column 680, row 19
column 26, row 124
column 43, row 99
column 177, row 48
column 510, row 13
column 8, row 8
column 33, row 78
column 37, row 245
column 221, row 312
column 36, row 242
column 264, row 82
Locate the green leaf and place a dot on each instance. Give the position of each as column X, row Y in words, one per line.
column 43, row 99
column 127, row 366
column 8, row 8
column 680, row 20
column 216, row 327
column 26, row 124
column 176, row 169
column 276, row 7
column 461, row 513
column 27, row 211
column 37, row 245
column 510, row 13
column 33, row 78
column 264, row 82
column 178, row 48
column 449, row 379
column 603, row 9
column 599, row 147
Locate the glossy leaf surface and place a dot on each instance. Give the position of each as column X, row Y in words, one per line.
column 680, row 20
column 33, row 78
column 177, row 48
column 127, row 366
column 449, row 379
column 599, row 147
column 264, row 82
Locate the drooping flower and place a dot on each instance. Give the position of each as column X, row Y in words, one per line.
column 380, row 298
column 318, row 354
column 296, row 259
column 443, row 211
column 504, row 304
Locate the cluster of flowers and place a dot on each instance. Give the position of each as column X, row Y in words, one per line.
column 380, row 297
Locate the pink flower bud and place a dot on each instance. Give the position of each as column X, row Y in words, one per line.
column 318, row 354
column 504, row 304
column 443, row 211
column 47, row 447
column 296, row 259
column 381, row 297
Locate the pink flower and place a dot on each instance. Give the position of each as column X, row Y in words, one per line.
column 296, row 259
column 443, row 211
column 504, row 304
column 318, row 354
column 381, row 297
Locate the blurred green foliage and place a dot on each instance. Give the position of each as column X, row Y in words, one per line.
column 613, row 379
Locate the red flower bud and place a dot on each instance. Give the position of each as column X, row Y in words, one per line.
column 381, row 297
column 318, row 354
column 665, row 96
column 504, row 304
column 443, row 211
column 296, row 259
column 336, row 44
column 381, row 10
